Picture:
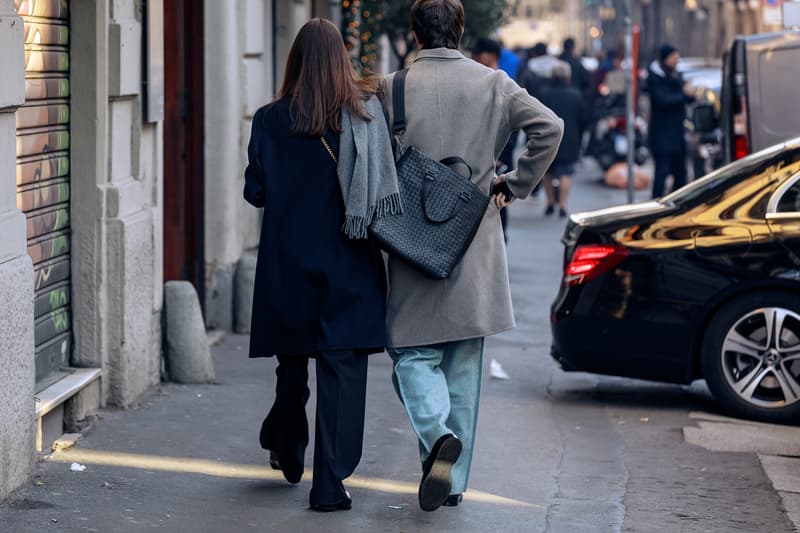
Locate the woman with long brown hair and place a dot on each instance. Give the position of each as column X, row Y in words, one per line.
column 321, row 166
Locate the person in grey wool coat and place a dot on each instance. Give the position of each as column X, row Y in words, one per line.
column 456, row 107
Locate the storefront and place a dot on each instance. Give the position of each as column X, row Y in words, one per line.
column 43, row 178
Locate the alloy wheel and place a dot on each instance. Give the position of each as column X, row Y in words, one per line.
column 761, row 357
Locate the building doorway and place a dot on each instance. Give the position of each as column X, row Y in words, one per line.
column 184, row 143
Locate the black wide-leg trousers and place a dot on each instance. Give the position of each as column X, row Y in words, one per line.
column 339, row 435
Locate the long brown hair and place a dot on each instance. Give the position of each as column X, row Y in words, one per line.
column 320, row 80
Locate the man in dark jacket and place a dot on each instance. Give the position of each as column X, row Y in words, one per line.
column 668, row 98
column 569, row 104
column 580, row 76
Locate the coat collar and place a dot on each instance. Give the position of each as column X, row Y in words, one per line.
column 657, row 69
column 439, row 53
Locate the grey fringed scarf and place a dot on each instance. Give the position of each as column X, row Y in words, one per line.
column 366, row 168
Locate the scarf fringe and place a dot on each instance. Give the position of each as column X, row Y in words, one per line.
column 355, row 226
column 389, row 206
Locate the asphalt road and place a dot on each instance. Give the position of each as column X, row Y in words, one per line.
column 556, row 452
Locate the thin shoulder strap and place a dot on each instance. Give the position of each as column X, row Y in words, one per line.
column 399, row 102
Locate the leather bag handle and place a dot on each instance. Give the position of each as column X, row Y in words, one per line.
column 428, row 182
column 455, row 160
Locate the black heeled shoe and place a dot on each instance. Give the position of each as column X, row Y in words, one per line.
column 292, row 471
column 274, row 461
column 344, row 505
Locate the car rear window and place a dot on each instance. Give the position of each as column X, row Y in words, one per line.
column 780, row 68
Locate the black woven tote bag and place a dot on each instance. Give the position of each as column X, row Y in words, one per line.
column 442, row 210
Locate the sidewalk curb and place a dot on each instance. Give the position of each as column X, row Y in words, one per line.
column 784, row 473
column 777, row 448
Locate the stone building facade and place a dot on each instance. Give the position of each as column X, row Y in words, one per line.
column 87, row 128
column 701, row 28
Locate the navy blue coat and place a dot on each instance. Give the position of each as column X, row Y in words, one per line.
column 315, row 289
column 667, row 112
column 570, row 105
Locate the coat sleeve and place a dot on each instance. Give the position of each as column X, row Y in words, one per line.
column 254, row 173
column 543, row 132
column 663, row 97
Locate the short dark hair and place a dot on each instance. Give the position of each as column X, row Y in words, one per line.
column 438, row 23
column 487, row 46
column 539, row 49
column 569, row 45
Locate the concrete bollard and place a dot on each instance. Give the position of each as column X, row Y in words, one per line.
column 243, row 293
column 188, row 357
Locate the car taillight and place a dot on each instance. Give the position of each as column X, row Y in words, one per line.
column 741, row 146
column 741, row 142
column 592, row 260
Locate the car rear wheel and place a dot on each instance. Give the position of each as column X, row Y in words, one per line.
column 751, row 357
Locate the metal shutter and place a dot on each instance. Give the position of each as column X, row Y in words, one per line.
column 43, row 177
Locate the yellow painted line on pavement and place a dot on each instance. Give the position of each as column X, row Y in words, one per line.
column 188, row 465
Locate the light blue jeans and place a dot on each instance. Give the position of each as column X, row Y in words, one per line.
column 440, row 386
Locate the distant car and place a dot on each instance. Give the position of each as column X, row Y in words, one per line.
column 703, row 283
column 689, row 64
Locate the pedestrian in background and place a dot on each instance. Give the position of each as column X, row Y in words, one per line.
column 507, row 61
column 456, row 107
column 536, row 74
column 534, row 77
column 579, row 76
column 488, row 52
column 668, row 98
column 320, row 283
column 570, row 105
column 610, row 62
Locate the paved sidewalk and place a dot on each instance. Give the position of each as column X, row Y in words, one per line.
column 188, row 460
column 778, row 449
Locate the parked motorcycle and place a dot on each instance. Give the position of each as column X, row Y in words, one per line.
column 608, row 141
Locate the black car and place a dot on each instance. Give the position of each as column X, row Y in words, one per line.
column 703, row 283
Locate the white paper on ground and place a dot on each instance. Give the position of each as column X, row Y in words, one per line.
column 496, row 370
